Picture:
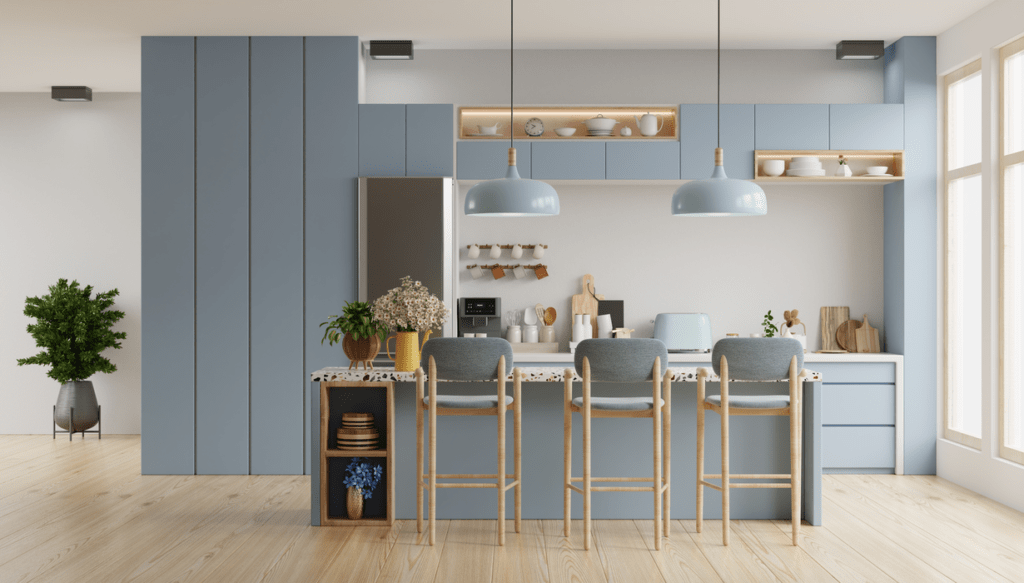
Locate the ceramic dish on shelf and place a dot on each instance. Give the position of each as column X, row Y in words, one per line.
column 565, row 132
column 878, row 175
column 803, row 163
column 484, row 135
column 805, row 172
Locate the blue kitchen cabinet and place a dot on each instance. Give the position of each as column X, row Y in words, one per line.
column 480, row 160
column 866, row 126
column 429, row 140
column 643, row 161
column 791, row 127
column 382, row 140
column 698, row 136
column 567, row 160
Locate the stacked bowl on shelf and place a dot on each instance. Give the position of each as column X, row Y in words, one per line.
column 805, row 166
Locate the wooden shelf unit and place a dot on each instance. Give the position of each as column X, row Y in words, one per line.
column 327, row 452
column 560, row 117
column 858, row 161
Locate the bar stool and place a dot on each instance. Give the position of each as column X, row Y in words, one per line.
column 623, row 361
column 468, row 359
column 751, row 359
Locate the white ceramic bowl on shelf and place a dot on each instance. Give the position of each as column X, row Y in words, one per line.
column 805, row 163
column 805, row 172
column 877, row 170
column 774, row 167
column 565, row 132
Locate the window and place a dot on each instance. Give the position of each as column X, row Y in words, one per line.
column 1011, row 170
column 964, row 237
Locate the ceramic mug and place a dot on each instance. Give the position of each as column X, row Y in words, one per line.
column 495, row 251
column 774, row 167
column 476, row 272
column 489, row 130
column 519, row 271
column 604, row 326
column 517, row 251
column 474, row 251
column 538, row 251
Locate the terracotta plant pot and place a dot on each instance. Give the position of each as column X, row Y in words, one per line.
column 354, row 503
column 360, row 351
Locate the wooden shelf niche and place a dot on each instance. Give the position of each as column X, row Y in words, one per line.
column 858, row 160
column 563, row 117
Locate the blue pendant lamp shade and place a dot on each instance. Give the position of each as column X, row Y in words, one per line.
column 512, row 196
column 719, row 196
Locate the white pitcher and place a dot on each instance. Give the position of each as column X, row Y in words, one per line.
column 649, row 124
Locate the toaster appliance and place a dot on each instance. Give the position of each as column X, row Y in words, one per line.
column 684, row 332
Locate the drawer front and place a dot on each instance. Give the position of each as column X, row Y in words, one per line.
column 858, row 404
column 568, row 161
column 858, row 447
column 489, row 160
column 854, row 372
column 643, row 161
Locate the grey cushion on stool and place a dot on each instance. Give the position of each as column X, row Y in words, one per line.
column 619, row 403
column 621, row 360
column 468, row 401
column 467, row 359
column 757, row 359
column 752, row 401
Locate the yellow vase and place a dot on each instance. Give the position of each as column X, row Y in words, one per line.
column 407, row 350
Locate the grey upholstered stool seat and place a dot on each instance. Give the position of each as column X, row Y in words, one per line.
column 619, row 403
column 752, row 401
column 468, row 401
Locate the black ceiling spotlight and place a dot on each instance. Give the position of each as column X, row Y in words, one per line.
column 67, row 93
column 391, row 50
column 861, row 50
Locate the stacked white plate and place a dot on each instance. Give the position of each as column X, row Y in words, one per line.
column 805, row 166
column 599, row 132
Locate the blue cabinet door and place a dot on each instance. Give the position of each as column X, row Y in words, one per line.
column 488, row 160
column 643, row 161
column 429, row 140
column 382, row 140
column 791, row 126
column 569, row 160
column 698, row 136
column 866, row 126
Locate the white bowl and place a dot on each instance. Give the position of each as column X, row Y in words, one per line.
column 774, row 167
column 805, row 160
column 805, row 163
column 565, row 132
column 877, row 170
column 805, row 172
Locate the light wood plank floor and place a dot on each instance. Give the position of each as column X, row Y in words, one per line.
column 80, row 511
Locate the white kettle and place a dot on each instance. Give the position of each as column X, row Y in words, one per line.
column 649, row 124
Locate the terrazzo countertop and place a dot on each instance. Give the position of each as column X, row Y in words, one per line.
column 531, row 374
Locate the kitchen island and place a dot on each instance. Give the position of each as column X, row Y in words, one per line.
column 620, row 446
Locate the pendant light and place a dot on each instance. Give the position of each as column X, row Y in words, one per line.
column 719, row 196
column 512, row 196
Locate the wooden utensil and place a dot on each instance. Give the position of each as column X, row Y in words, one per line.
column 586, row 302
column 867, row 337
column 549, row 316
column 539, row 308
column 846, row 335
column 831, row 318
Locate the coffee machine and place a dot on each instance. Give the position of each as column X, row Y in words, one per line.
column 480, row 316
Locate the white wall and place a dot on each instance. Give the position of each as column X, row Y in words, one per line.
column 69, row 208
column 606, row 77
column 979, row 37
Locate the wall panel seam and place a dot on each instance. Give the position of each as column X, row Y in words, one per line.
column 305, row 437
column 249, row 258
column 195, row 251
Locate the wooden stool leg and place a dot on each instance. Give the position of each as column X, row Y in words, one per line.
column 567, row 454
column 501, row 451
column 725, row 451
column 700, row 450
column 586, row 454
column 517, row 437
column 419, row 450
column 666, row 388
column 432, row 507
column 657, row 456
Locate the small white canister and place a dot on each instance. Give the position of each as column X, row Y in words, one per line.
column 530, row 334
column 514, row 335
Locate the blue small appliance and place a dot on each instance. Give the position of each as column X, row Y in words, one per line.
column 684, row 332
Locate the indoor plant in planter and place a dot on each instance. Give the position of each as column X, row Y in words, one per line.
column 409, row 309
column 73, row 329
column 363, row 333
column 361, row 479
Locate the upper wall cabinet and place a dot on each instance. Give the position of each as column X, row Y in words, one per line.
column 791, row 127
column 699, row 133
column 382, row 140
column 866, row 126
column 489, row 160
column 643, row 160
column 567, row 160
column 429, row 135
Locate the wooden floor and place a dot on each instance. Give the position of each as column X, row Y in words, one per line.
column 74, row 512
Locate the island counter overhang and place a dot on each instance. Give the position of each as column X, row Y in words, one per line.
column 620, row 447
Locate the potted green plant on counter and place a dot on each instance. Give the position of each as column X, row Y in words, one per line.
column 363, row 333
column 769, row 327
column 73, row 329
column 361, row 480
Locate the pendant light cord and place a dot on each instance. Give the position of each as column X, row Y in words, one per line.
column 719, row 73
column 512, row 74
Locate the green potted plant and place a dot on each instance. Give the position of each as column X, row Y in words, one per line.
column 73, row 329
column 361, row 479
column 362, row 333
column 769, row 327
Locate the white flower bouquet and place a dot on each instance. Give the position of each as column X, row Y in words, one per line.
column 410, row 307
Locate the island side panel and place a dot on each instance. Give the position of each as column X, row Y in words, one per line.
column 811, row 486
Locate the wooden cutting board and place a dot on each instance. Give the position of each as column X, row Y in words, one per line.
column 586, row 302
column 846, row 335
column 831, row 318
column 867, row 338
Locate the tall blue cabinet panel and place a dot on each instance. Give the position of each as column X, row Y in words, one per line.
column 222, row 255
column 866, row 126
column 276, row 366
column 332, row 202
column 382, row 140
column 567, row 160
column 488, row 160
column 168, row 253
column 698, row 137
column 791, row 126
column 429, row 140
column 642, row 161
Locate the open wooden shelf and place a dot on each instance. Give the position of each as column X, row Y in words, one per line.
column 561, row 117
column 858, row 160
column 357, row 453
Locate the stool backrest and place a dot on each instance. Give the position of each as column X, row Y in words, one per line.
column 467, row 359
column 621, row 360
column 757, row 359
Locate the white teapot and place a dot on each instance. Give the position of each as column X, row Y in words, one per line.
column 649, row 124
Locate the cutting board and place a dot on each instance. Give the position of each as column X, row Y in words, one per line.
column 831, row 318
column 867, row 338
column 586, row 303
column 846, row 335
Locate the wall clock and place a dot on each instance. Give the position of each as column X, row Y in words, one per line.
column 534, row 127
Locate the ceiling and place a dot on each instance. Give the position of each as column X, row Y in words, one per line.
column 96, row 42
